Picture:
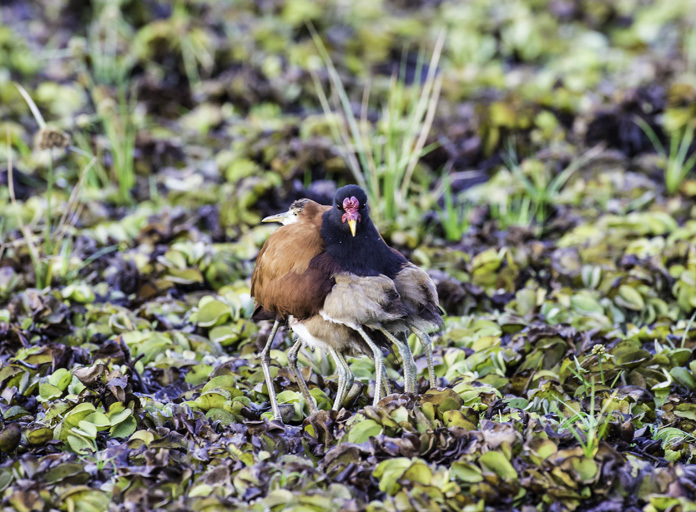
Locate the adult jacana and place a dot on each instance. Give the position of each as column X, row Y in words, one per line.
column 296, row 280
column 416, row 290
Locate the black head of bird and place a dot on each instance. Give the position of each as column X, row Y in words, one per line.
column 350, row 204
column 351, row 238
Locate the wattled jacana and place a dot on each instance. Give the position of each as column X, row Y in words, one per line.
column 417, row 291
column 289, row 284
column 355, row 261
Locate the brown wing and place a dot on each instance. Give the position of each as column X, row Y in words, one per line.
column 283, row 282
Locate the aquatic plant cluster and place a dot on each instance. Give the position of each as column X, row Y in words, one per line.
column 534, row 156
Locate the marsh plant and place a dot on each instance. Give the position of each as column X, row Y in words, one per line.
column 678, row 163
column 540, row 189
column 50, row 250
column 588, row 427
column 107, row 74
column 383, row 156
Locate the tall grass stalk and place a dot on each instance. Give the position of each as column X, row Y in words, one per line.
column 383, row 157
column 678, row 163
column 109, row 70
column 453, row 215
column 49, row 177
column 26, row 233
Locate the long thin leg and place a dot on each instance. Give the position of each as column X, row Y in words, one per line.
column 299, row 380
column 341, row 372
column 345, row 377
column 385, row 382
column 266, row 366
column 427, row 343
column 386, row 387
column 410, row 370
column 379, row 363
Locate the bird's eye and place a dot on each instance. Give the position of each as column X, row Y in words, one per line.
column 362, row 206
column 339, row 206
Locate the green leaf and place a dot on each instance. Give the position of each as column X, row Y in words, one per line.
column 419, row 472
column 40, row 435
column 80, row 445
column 389, row 471
column 60, row 378
column 87, row 429
column 198, row 374
column 125, row 428
column 212, row 312
column 99, row 420
column 466, row 472
column 364, row 430
column 683, row 377
column 586, row 468
column 630, row 298
column 49, row 391
column 497, row 463
column 687, row 411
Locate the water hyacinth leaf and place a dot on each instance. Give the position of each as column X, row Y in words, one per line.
column 680, row 356
column 80, row 445
column 633, row 358
column 98, row 419
column 39, row 435
column 466, row 472
column 49, row 391
column 221, row 415
column 630, row 298
column 388, row 472
column 225, row 335
column 591, row 276
column 457, row 419
column 5, row 479
column 211, row 311
column 211, row 400
column 526, row 301
column 81, row 293
column 364, row 430
column 541, row 449
column 497, row 463
column 687, row 411
column 443, row 400
column 60, row 378
column 86, row 429
column 198, row 374
column 184, row 276
column 144, row 436
column 586, row 468
column 67, row 471
column 684, row 377
column 10, row 436
column 296, row 400
column 124, row 428
column 419, row 472
column 85, row 499
column 585, row 304
column 78, row 413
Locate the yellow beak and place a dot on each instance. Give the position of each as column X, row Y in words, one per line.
column 279, row 217
column 352, row 225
